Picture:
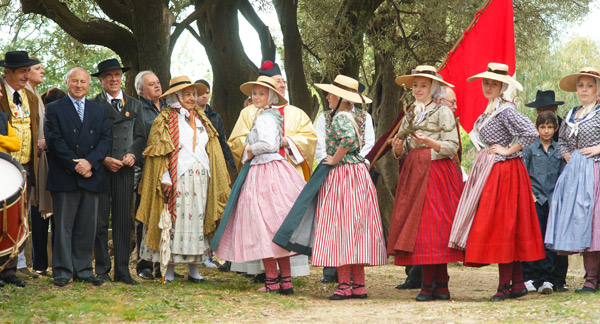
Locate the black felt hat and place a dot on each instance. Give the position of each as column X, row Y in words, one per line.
column 269, row 68
column 17, row 59
column 543, row 99
column 108, row 65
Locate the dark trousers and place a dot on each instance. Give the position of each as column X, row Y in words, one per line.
column 554, row 267
column 139, row 230
column 116, row 202
column 39, row 238
column 414, row 273
column 10, row 268
column 75, row 214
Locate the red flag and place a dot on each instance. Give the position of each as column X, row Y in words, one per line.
column 491, row 39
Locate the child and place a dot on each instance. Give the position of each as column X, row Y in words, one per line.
column 544, row 164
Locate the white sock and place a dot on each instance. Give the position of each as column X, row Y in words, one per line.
column 170, row 275
column 193, row 271
column 22, row 263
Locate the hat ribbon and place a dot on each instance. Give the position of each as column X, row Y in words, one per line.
column 349, row 89
column 179, row 83
column 497, row 71
column 591, row 72
column 426, row 72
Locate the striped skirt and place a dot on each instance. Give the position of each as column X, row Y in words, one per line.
column 347, row 222
column 444, row 187
column 469, row 200
column 574, row 219
column 505, row 227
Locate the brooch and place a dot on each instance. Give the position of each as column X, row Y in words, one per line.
column 127, row 114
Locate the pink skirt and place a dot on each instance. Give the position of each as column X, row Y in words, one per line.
column 266, row 198
column 347, row 221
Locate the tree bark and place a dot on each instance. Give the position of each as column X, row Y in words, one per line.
column 267, row 46
column 219, row 33
column 300, row 96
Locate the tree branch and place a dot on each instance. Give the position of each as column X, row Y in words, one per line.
column 117, row 10
column 310, row 51
column 267, row 46
column 184, row 24
column 404, row 39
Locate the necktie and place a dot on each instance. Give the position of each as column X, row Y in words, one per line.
column 17, row 98
column 117, row 103
column 79, row 108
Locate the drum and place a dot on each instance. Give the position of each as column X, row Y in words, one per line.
column 14, row 228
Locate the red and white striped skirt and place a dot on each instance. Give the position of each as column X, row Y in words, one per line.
column 347, row 221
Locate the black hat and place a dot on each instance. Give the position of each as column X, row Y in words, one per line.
column 269, row 68
column 108, row 65
column 17, row 59
column 543, row 99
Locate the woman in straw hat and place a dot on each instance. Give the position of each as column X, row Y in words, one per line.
column 263, row 193
column 184, row 163
column 347, row 229
column 574, row 220
column 429, row 186
column 496, row 220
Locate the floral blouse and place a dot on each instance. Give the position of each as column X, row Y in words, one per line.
column 508, row 126
column 342, row 132
column 587, row 133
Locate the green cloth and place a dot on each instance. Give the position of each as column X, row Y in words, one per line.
column 297, row 230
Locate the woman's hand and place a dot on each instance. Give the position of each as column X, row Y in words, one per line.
column 423, row 139
column 398, row 145
column 500, row 150
column 591, row 151
column 166, row 187
column 567, row 157
column 330, row 160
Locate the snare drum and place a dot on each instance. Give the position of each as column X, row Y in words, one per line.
column 14, row 228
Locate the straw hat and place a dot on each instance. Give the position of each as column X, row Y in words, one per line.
column 346, row 88
column 426, row 71
column 182, row 82
column 265, row 81
column 498, row 72
column 569, row 83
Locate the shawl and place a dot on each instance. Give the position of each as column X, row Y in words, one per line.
column 157, row 152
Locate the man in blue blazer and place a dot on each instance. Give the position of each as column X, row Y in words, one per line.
column 78, row 138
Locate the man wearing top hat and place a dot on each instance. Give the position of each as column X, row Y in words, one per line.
column 128, row 141
column 21, row 105
column 544, row 100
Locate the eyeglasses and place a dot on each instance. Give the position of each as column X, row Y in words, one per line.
column 451, row 103
column 280, row 81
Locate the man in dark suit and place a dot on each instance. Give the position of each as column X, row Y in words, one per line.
column 128, row 142
column 21, row 105
column 78, row 138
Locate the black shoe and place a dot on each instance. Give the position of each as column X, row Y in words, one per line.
column 560, row 288
column 339, row 297
column 104, row 277
column 13, row 280
column 259, row 278
column 146, row 274
column 426, row 293
column 409, row 284
column 126, row 280
column 502, row 294
column 225, row 267
column 286, row 280
column 2, row 283
column 61, row 282
column 440, row 296
column 178, row 275
column 195, row 280
column 585, row 290
column 519, row 293
column 91, row 279
column 328, row 279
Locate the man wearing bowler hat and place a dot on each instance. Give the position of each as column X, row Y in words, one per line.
column 21, row 105
column 128, row 141
column 544, row 100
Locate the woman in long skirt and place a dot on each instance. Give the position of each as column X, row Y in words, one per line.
column 429, row 186
column 574, row 220
column 496, row 221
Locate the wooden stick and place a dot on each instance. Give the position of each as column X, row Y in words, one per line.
column 461, row 38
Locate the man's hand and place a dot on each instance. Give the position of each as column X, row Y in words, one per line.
column 129, row 159
column 112, row 164
column 284, row 143
column 83, row 167
column 41, row 145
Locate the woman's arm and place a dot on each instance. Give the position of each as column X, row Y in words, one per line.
column 337, row 157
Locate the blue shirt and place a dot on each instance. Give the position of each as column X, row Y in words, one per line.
column 74, row 101
column 543, row 168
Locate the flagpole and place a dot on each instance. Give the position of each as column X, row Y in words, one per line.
column 460, row 39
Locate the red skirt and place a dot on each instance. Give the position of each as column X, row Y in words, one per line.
column 505, row 227
column 444, row 187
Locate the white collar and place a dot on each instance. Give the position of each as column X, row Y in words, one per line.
column 109, row 97
column 10, row 89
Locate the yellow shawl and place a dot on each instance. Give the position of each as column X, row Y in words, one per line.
column 298, row 127
column 157, row 161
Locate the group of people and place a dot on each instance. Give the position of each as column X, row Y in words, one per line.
column 167, row 153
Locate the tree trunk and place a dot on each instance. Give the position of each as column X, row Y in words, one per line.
column 300, row 96
column 219, row 34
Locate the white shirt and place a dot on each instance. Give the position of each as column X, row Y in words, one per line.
column 11, row 92
column 321, row 129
